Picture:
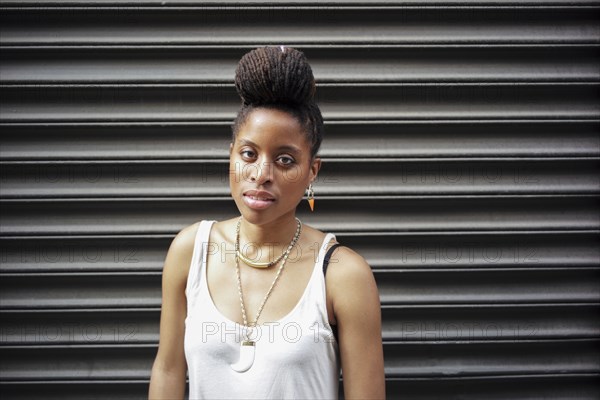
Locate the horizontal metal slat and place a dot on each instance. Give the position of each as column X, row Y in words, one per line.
column 556, row 387
column 426, row 139
column 76, row 390
column 428, row 359
column 488, row 287
column 81, row 290
column 84, row 254
column 115, row 326
column 185, row 103
column 343, row 178
column 166, row 64
column 88, row 362
column 464, row 250
column 385, row 214
column 287, row 25
column 489, row 322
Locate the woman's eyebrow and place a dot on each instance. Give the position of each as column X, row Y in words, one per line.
column 289, row 147
column 285, row 147
column 247, row 142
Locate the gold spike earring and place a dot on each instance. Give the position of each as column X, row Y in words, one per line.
column 310, row 194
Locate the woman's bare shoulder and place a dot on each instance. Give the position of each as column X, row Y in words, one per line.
column 348, row 256
column 183, row 243
column 347, row 267
column 180, row 253
column 184, row 240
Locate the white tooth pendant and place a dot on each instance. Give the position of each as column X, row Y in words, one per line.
column 246, row 357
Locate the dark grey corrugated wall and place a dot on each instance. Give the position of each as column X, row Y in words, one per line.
column 461, row 159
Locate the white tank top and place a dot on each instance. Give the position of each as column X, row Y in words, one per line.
column 296, row 357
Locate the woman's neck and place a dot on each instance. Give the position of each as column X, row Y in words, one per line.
column 272, row 237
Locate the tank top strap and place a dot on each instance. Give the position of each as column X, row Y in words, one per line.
column 323, row 249
column 317, row 281
column 198, row 256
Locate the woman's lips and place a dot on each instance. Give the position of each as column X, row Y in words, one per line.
column 258, row 201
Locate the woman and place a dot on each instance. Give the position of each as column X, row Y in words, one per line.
column 246, row 306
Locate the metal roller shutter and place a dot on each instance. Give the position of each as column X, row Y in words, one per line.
column 461, row 159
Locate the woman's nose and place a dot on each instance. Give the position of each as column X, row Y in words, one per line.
column 260, row 172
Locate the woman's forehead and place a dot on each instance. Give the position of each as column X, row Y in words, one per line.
column 266, row 127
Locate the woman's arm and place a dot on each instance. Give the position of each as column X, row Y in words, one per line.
column 169, row 369
column 357, row 313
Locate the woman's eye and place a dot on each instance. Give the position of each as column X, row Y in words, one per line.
column 286, row 160
column 247, row 154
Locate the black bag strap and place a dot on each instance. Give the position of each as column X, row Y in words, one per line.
column 325, row 264
column 328, row 257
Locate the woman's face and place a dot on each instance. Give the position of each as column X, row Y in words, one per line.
column 270, row 166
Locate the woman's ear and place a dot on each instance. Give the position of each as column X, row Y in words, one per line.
column 230, row 148
column 315, row 166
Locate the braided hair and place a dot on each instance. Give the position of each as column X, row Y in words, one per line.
column 279, row 78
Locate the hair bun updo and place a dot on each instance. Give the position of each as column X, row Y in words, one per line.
column 279, row 78
column 275, row 75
